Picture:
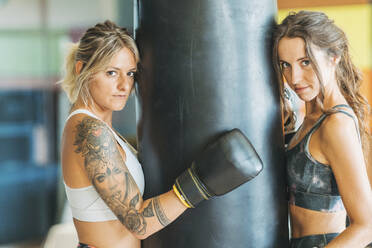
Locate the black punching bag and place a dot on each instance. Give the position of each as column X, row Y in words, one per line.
column 206, row 68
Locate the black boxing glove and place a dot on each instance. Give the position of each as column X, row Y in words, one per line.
column 223, row 166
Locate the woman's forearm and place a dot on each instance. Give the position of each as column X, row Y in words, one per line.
column 153, row 215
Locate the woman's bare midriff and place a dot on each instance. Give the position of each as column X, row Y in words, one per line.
column 306, row 222
column 107, row 234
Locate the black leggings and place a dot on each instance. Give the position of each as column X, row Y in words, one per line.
column 312, row 241
column 82, row 245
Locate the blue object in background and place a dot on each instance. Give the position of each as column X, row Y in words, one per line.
column 27, row 201
column 22, row 112
column 28, row 167
column 16, row 144
column 21, row 106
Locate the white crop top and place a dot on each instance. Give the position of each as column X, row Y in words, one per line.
column 85, row 203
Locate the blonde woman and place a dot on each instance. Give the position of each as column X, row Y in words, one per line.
column 103, row 179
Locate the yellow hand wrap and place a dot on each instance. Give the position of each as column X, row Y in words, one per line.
column 180, row 196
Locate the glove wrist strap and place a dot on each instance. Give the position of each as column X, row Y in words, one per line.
column 180, row 197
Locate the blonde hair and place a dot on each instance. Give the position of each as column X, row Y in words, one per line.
column 95, row 50
column 316, row 28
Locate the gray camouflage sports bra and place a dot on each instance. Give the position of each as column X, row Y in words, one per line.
column 311, row 184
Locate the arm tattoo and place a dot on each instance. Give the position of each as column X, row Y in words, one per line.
column 107, row 171
column 148, row 212
column 111, row 178
column 132, row 218
column 160, row 213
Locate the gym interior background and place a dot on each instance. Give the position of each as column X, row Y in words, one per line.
column 34, row 35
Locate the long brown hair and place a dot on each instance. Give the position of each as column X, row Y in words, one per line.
column 316, row 28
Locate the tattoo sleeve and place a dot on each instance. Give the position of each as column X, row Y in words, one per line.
column 109, row 175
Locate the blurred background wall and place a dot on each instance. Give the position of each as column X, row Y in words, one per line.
column 34, row 36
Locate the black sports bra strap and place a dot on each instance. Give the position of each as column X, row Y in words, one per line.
column 316, row 125
column 340, row 106
column 353, row 117
column 323, row 116
column 343, row 111
column 348, row 114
